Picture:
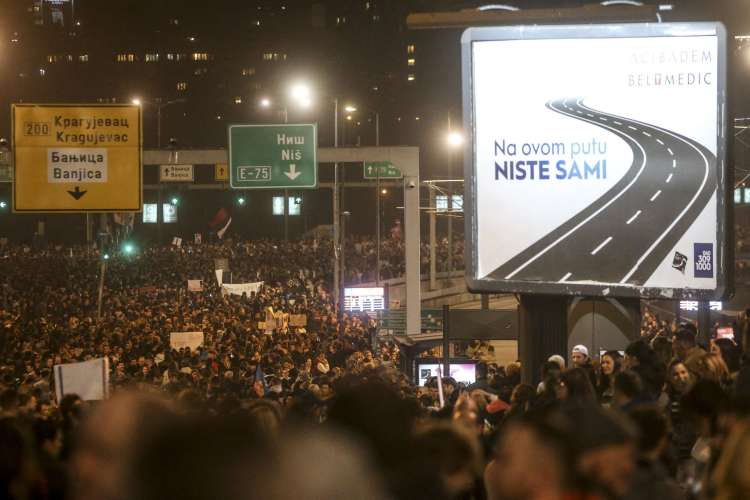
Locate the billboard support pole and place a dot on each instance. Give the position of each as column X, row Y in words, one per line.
column 446, row 340
column 543, row 332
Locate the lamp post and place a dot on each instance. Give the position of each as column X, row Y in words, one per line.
column 159, row 106
column 454, row 140
column 350, row 108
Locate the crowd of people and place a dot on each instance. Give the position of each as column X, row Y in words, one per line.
column 269, row 407
column 361, row 257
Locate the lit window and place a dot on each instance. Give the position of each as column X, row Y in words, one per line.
column 51, row 59
column 69, row 57
column 125, row 57
column 170, row 57
column 180, row 57
column 83, row 58
column 200, row 56
column 181, row 85
column 248, row 71
column 411, row 61
column 277, row 205
column 737, row 196
column 152, row 58
column 174, row 22
column 267, row 56
column 441, row 203
column 42, row 71
column 375, row 18
column 411, row 77
column 238, row 100
column 410, row 49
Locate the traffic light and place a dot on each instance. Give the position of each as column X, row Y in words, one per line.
column 175, row 200
column 3, row 204
column 241, row 201
column 128, row 248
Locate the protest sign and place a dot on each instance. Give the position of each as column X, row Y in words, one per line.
column 89, row 379
column 195, row 285
column 191, row 340
column 240, row 288
column 298, row 320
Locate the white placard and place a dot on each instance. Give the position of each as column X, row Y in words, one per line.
column 88, row 379
column 195, row 285
column 240, row 288
column 79, row 165
column 601, row 170
column 192, row 340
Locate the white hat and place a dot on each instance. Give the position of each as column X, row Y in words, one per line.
column 582, row 349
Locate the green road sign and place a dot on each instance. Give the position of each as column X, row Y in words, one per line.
column 381, row 169
column 273, row 156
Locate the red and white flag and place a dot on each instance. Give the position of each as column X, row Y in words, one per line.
column 220, row 222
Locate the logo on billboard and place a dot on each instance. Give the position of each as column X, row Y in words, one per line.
column 679, row 262
column 704, row 260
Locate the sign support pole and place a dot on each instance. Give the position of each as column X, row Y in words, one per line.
column 102, row 270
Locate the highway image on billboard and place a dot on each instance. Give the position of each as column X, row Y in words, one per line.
column 597, row 159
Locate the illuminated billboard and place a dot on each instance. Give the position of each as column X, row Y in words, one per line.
column 597, row 160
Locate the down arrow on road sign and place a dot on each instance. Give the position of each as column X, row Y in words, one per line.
column 77, row 193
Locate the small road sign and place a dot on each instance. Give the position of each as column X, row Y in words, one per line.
column 176, row 173
column 382, row 170
column 221, row 172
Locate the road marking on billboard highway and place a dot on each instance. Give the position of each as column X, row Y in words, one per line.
column 589, row 115
column 684, row 210
column 579, row 112
column 601, row 245
column 646, row 133
column 674, row 163
column 660, row 141
column 603, row 119
column 669, row 178
column 566, row 277
column 670, row 151
column 634, row 217
column 618, row 123
column 601, row 209
column 656, row 195
column 632, row 127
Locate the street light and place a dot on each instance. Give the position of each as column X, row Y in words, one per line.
column 455, row 139
column 159, row 106
column 265, row 102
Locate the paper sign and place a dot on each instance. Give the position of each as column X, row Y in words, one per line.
column 89, row 379
column 298, row 320
column 240, row 288
column 195, row 285
column 191, row 340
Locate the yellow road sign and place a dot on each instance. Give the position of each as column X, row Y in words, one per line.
column 77, row 158
column 222, row 172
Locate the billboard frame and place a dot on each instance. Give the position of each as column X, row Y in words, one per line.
column 724, row 252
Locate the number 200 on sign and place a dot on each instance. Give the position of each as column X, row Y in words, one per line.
column 254, row 173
